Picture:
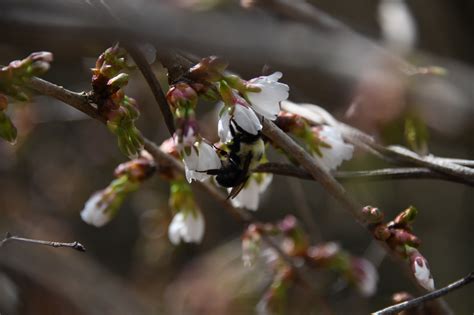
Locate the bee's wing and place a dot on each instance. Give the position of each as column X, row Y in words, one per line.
column 235, row 190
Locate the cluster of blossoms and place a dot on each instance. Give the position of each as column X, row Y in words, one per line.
column 119, row 110
column 293, row 241
column 240, row 103
column 398, row 235
column 103, row 205
column 324, row 142
column 13, row 79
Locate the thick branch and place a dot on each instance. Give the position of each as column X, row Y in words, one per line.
column 74, row 245
column 282, row 140
column 395, row 309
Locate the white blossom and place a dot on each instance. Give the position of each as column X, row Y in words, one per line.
column 243, row 116
column 202, row 158
column 267, row 101
column 422, row 273
column 96, row 211
column 397, row 24
column 186, row 226
column 249, row 196
column 338, row 152
column 367, row 277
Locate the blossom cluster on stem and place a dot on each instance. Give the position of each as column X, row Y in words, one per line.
column 120, row 110
column 293, row 242
column 398, row 235
column 13, row 79
column 103, row 205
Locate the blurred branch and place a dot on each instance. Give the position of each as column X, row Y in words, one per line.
column 395, row 309
column 153, row 84
column 74, row 245
column 369, row 175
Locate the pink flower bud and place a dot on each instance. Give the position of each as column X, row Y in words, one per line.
column 421, row 270
column 372, row 215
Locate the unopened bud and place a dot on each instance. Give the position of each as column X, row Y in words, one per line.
column 372, row 215
column 8, row 131
column 406, row 217
column 45, row 56
column 209, row 69
column 118, row 81
column 137, row 170
column 382, row 232
column 182, row 95
column 403, row 237
column 421, row 270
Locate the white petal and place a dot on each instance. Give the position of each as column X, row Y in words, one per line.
column 368, row 283
column 175, row 228
column 197, row 163
column 246, row 119
column 423, row 275
column 95, row 211
column 265, row 182
column 339, row 150
column 397, row 24
column 195, row 227
column 248, row 197
column 186, row 226
column 267, row 101
column 208, row 158
column 223, row 129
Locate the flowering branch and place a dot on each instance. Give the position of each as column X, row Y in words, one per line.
column 74, row 245
column 397, row 308
column 453, row 168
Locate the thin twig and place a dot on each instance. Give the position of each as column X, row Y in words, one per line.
column 74, row 245
column 369, row 175
column 394, row 309
column 153, row 84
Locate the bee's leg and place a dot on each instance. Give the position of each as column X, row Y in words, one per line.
column 216, row 171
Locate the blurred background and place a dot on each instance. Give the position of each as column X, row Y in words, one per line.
column 62, row 157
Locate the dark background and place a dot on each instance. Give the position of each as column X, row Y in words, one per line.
column 61, row 157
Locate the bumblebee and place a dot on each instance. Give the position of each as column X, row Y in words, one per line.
column 244, row 153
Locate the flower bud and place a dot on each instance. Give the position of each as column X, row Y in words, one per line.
column 45, row 56
column 209, row 69
column 366, row 276
column 118, row 81
column 406, row 217
column 182, row 95
column 420, row 269
column 137, row 170
column 403, row 237
column 372, row 215
column 103, row 205
column 8, row 131
column 382, row 232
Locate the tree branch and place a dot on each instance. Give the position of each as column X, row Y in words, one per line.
column 395, row 309
column 74, row 245
column 153, row 84
column 369, row 175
